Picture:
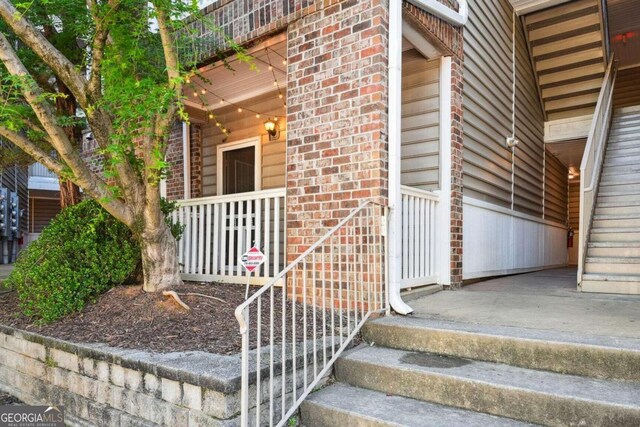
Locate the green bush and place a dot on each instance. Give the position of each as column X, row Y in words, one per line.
column 81, row 254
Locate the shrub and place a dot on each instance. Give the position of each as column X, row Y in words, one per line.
column 81, row 254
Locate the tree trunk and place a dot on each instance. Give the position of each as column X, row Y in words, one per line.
column 69, row 194
column 159, row 259
column 66, row 106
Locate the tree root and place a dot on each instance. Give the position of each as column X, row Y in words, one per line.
column 176, row 297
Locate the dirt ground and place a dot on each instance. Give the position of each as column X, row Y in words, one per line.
column 127, row 317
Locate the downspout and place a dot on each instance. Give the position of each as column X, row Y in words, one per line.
column 186, row 159
column 395, row 118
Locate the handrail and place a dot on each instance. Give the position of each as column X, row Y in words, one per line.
column 237, row 197
column 351, row 256
column 592, row 159
column 418, row 192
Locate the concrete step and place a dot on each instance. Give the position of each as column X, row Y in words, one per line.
column 620, row 171
column 630, row 199
column 344, row 405
column 524, row 394
column 611, row 284
column 619, row 189
column 612, row 180
column 613, row 151
column 617, row 210
column 613, row 265
column 598, row 357
column 630, row 222
column 613, row 249
column 622, row 161
column 615, row 234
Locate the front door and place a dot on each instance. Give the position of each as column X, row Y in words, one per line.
column 238, row 175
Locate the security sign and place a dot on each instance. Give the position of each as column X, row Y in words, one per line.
column 252, row 259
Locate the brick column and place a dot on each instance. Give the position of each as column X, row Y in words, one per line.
column 337, row 101
column 196, row 160
column 175, row 178
column 456, row 172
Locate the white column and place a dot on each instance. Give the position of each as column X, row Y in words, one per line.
column 395, row 118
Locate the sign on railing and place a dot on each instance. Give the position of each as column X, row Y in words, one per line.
column 219, row 229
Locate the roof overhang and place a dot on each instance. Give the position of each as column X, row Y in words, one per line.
column 522, row 7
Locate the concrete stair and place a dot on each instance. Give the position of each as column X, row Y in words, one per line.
column 612, row 264
column 424, row 372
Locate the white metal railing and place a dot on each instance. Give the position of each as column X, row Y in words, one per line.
column 418, row 237
column 39, row 170
column 219, row 229
column 292, row 336
column 592, row 160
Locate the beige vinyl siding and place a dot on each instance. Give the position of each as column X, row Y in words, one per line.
column 574, row 219
column 574, row 205
column 420, row 121
column 243, row 126
column 529, row 124
column 42, row 212
column 487, row 102
column 627, row 90
column 489, row 117
column 556, row 188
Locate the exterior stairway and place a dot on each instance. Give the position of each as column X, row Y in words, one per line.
column 613, row 253
column 425, row 372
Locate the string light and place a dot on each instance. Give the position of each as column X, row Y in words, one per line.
column 204, row 90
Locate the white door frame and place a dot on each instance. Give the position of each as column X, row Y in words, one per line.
column 230, row 146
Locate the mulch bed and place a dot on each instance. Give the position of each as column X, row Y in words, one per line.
column 127, row 317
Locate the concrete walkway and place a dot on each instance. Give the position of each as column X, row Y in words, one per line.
column 5, row 270
column 541, row 300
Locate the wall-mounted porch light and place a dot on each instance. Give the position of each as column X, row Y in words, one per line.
column 272, row 128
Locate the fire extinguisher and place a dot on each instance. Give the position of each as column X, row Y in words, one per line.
column 570, row 238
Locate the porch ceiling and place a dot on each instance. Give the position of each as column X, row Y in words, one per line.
column 522, row 7
column 224, row 87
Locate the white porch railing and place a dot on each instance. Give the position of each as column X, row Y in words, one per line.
column 418, row 237
column 219, row 229
column 592, row 160
column 292, row 336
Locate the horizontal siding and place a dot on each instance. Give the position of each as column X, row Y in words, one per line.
column 574, row 205
column 627, row 90
column 42, row 212
column 529, row 125
column 420, row 121
column 243, row 126
column 487, row 101
column 556, row 197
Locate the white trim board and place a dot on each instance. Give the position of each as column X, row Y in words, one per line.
column 500, row 241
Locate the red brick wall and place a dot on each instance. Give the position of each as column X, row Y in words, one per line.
column 196, row 160
column 175, row 179
column 337, row 102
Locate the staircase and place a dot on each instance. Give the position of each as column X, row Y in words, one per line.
column 425, row 372
column 613, row 251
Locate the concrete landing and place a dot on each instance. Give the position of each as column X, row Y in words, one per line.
column 545, row 300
